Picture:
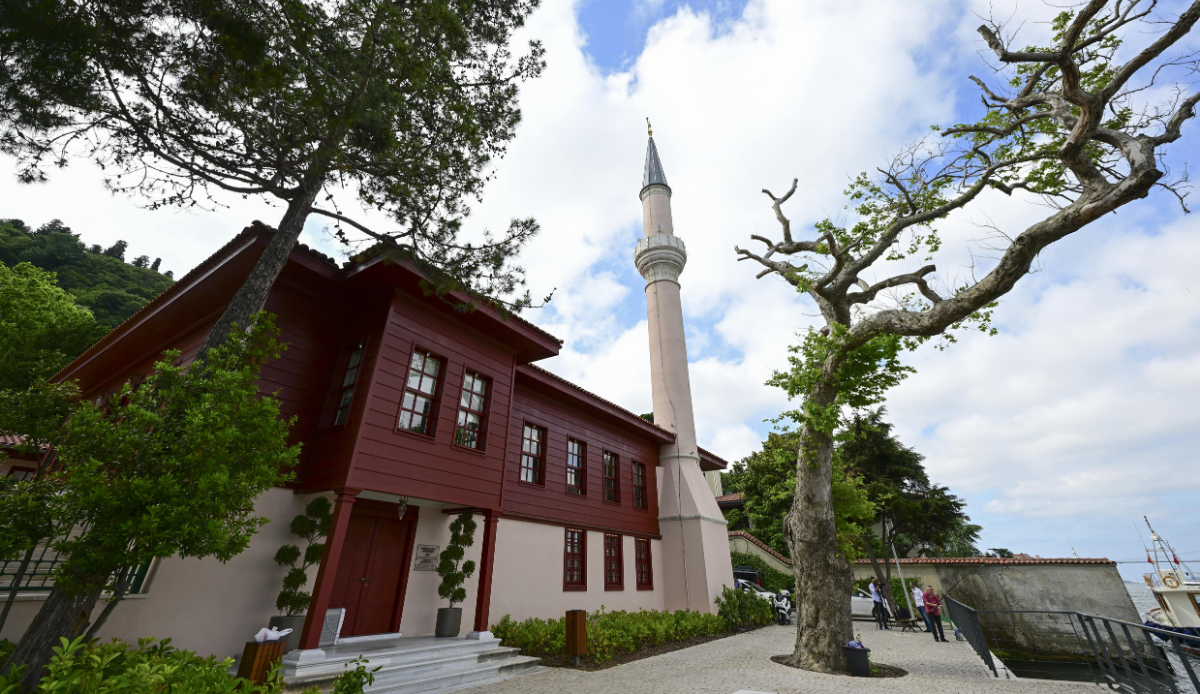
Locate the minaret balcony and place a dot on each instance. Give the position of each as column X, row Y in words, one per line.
column 660, row 257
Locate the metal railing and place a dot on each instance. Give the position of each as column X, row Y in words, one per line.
column 1129, row 658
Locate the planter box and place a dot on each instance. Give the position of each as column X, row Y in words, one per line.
column 860, row 665
column 448, row 621
column 257, row 659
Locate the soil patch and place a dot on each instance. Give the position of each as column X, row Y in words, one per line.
column 564, row 661
column 877, row 669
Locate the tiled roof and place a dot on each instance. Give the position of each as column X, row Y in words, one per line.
column 760, row 544
column 724, row 463
column 733, row 496
column 1003, row 561
column 590, row 394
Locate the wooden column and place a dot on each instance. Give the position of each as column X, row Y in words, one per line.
column 487, row 555
column 327, row 574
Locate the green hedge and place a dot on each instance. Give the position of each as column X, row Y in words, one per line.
column 772, row 580
column 156, row 667
column 610, row 634
column 743, row 609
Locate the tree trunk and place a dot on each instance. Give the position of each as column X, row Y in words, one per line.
column 62, row 615
column 823, row 576
column 252, row 295
column 885, row 582
column 120, row 587
column 16, row 584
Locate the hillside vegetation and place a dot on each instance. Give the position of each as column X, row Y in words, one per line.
column 98, row 278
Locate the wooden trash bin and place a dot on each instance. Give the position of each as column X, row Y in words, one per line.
column 576, row 635
column 257, row 659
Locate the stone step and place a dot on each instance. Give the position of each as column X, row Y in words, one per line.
column 488, row 671
column 454, row 660
column 414, row 651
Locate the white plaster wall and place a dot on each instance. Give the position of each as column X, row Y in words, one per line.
column 421, row 601
column 203, row 605
column 528, row 578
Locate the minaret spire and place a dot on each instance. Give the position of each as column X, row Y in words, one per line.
column 695, row 545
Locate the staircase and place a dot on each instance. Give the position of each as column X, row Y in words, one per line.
column 410, row 665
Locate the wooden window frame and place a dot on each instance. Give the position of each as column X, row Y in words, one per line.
column 541, row 457
column 581, row 584
column 616, row 478
column 633, row 479
column 20, row 468
column 340, row 392
column 639, row 563
column 435, row 404
column 614, row 563
column 481, row 434
column 581, row 488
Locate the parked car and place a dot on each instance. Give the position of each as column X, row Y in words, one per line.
column 756, row 589
column 747, row 573
column 861, row 605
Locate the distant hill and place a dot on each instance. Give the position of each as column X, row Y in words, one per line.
column 99, row 278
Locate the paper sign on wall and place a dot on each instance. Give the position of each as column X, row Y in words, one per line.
column 426, row 558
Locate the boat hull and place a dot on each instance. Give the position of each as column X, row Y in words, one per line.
column 1189, row 637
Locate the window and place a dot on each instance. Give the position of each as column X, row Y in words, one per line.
column 349, row 381
column 612, row 487
column 533, row 447
column 470, row 411
column 575, row 560
column 576, row 467
column 614, row 567
column 20, row 474
column 639, row 485
column 416, row 411
column 641, row 558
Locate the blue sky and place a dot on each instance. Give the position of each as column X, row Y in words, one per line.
column 1063, row 430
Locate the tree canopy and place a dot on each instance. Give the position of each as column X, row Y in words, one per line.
column 41, row 326
column 401, row 105
column 99, row 279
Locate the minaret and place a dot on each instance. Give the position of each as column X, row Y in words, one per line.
column 695, row 543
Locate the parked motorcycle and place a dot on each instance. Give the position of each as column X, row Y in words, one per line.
column 785, row 611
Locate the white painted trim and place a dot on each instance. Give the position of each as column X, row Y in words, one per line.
column 369, row 637
column 720, row 521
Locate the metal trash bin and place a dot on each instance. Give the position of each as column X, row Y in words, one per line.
column 860, row 666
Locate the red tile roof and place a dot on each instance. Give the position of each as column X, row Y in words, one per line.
column 732, row 496
column 760, row 544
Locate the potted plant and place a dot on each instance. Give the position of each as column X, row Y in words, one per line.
column 312, row 526
column 462, row 535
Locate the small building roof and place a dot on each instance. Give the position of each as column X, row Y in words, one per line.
column 1007, row 561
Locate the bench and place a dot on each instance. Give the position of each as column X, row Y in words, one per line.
column 910, row 625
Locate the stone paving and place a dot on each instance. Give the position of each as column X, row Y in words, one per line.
column 742, row 664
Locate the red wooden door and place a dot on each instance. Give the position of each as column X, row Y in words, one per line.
column 371, row 573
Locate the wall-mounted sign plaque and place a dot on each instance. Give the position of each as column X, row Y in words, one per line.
column 425, row 558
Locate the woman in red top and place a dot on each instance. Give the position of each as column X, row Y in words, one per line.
column 933, row 608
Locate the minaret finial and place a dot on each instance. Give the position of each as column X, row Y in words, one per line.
column 649, row 129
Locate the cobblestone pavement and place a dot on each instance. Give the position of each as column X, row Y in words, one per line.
column 742, row 664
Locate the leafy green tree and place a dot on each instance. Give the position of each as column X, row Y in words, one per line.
column 1068, row 125
column 40, row 326
column 33, row 418
column 169, row 467
column 111, row 289
column 311, row 526
column 462, row 535
column 401, row 104
column 767, row 479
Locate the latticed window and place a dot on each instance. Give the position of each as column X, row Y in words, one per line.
column 20, row 474
column 639, row 485
column 349, row 381
column 533, row 447
column 612, row 487
column 641, row 558
column 614, row 567
column 575, row 560
column 576, row 467
column 416, row 411
column 470, row 411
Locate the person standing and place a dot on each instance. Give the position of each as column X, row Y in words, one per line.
column 933, row 608
column 918, row 598
column 879, row 610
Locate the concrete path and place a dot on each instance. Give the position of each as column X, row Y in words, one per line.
column 742, row 664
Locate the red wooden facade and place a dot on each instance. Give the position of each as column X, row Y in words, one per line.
column 324, row 313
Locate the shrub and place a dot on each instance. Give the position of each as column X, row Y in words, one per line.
column 772, row 580
column 156, row 667
column 743, row 609
column 609, row 634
